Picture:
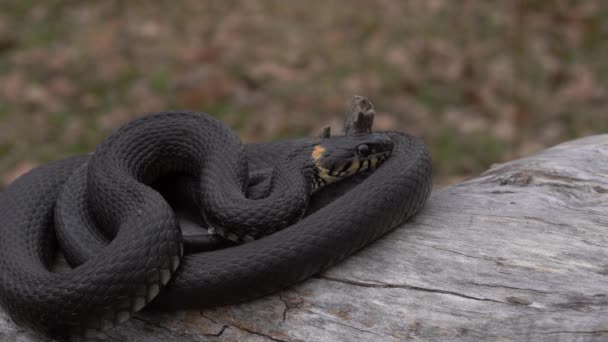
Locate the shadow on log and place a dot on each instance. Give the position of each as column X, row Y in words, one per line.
column 518, row 254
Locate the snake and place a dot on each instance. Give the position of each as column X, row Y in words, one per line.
column 283, row 212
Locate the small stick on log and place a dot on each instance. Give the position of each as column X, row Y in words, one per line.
column 325, row 132
column 360, row 117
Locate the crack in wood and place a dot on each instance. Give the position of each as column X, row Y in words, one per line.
column 286, row 307
column 218, row 334
column 592, row 332
column 380, row 285
column 159, row 325
column 458, row 253
column 509, row 287
column 257, row 333
column 289, row 305
column 333, row 320
column 226, row 326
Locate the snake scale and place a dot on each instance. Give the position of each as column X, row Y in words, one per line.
column 125, row 243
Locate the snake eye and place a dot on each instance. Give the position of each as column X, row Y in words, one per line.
column 363, row 150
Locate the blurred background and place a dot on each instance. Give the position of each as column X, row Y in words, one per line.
column 480, row 81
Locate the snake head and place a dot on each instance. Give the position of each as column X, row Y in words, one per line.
column 340, row 157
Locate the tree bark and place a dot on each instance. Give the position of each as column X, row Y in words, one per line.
column 519, row 253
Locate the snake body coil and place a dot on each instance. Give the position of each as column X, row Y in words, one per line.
column 126, row 243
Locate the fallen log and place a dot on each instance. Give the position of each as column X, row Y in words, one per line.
column 519, row 253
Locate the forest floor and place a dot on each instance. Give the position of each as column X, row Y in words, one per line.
column 480, row 81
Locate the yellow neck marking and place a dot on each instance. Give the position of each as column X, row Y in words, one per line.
column 317, row 152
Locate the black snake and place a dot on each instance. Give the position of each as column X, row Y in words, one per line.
column 125, row 242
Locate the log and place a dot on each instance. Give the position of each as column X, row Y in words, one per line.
column 519, row 253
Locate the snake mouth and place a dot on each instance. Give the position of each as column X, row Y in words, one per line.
column 327, row 175
column 376, row 160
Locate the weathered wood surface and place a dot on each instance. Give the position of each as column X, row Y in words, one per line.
column 517, row 254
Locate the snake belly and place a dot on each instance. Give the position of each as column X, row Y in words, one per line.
column 126, row 263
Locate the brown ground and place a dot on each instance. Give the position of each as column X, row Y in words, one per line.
column 481, row 81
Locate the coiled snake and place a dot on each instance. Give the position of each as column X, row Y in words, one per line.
column 125, row 241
